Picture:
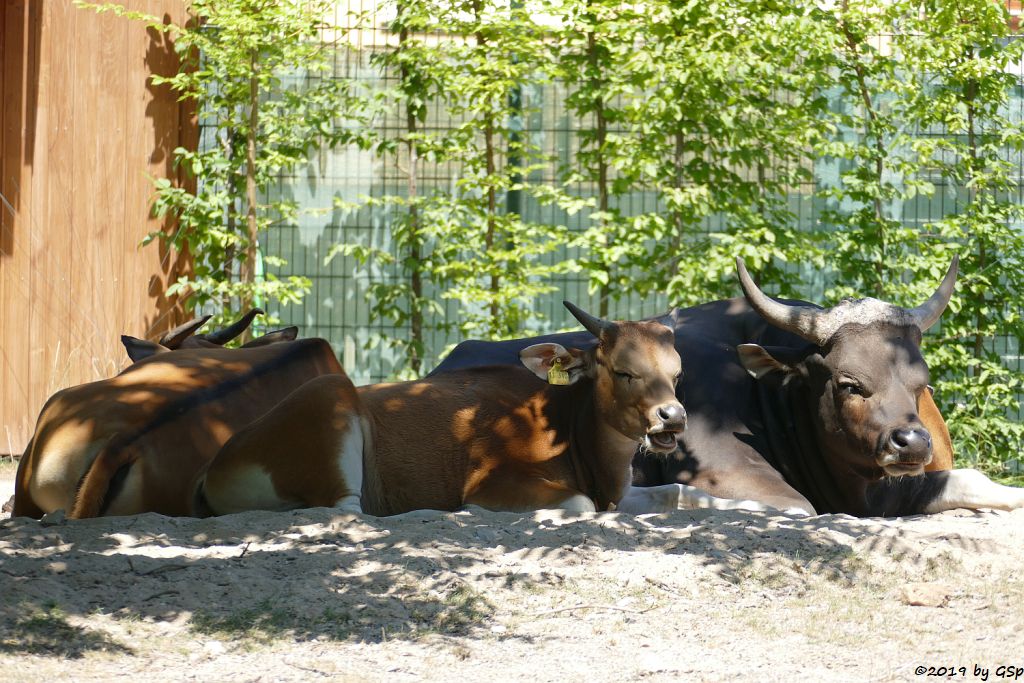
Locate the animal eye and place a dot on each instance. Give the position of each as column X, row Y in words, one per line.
column 625, row 375
column 851, row 388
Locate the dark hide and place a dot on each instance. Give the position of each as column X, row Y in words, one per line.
column 773, row 439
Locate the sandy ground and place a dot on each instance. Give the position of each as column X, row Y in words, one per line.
column 480, row 596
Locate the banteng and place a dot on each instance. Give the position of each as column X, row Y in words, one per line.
column 498, row 437
column 803, row 408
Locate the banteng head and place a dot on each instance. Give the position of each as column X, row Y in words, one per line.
column 634, row 369
column 183, row 337
column 862, row 374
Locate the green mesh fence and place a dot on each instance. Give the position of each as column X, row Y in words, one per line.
column 337, row 308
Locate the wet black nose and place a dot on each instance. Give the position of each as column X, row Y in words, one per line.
column 912, row 445
column 673, row 415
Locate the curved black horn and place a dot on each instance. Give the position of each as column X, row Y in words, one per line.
column 928, row 313
column 594, row 325
column 800, row 320
column 222, row 337
column 173, row 339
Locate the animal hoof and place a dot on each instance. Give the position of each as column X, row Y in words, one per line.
column 55, row 518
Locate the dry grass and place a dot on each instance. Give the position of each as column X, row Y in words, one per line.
column 8, row 467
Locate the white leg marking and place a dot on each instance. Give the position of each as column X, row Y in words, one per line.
column 669, row 497
column 577, row 503
column 250, row 488
column 971, row 489
column 642, row 499
column 129, row 500
column 52, row 488
column 61, row 466
column 350, row 467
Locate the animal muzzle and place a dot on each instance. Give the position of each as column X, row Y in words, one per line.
column 906, row 451
column 668, row 422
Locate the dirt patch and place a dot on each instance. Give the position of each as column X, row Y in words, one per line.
column 476, row 595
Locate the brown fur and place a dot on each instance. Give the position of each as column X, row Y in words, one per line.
column 162, row 407
column 96, row 482
column 497, row 437
column 447, row 441
column 942, row 444
column 305, row 431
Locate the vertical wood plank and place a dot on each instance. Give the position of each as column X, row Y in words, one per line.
column 112, row 162
column 166, row 131
column 21, row 79
column 52, row 176
column 114, row 314
column 4, row 58
column 89, row 199
column 147, row 135
column 135, row 260
column 83, row 142
column 173, row 126
column 36, row 224
column 7, row 96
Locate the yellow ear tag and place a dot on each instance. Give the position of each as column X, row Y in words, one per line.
column 556, row 375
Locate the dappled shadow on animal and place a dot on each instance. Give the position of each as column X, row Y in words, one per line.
column 500, row 437
column 135, row 442
column 803, row 408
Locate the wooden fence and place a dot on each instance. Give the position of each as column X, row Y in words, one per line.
column 82, row 129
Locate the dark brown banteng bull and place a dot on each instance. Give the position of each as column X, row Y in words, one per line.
column 819, row 413
column 851, row 392
column 135, row 442
column 495, row 437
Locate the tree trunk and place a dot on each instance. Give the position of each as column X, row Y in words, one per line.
column 601, row 125
column 416, row 344
column 872, row 115
column 972, row 197
column 492, row 198
column 252, row 225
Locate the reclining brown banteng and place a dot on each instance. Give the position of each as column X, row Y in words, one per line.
column 497, row 437
column 134, row 443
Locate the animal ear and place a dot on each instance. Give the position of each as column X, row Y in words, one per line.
column 140, row 348
column 282, row 335
column 760, row 362
column 668, row 319
column 540, row 358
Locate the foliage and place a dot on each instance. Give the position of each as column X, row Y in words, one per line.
column 967, row 97
column 417, row 220
column 702, row 105
column 592, row 51
column 464, row 242
column 259, row 73
column 500, row 269
column 732, row 105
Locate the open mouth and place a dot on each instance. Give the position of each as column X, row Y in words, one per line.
column 901, row 469
column 896, row 465
column 663, row 442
